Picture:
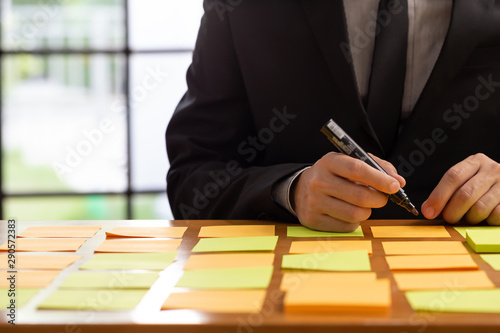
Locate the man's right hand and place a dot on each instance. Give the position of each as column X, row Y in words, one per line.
column 339, row 191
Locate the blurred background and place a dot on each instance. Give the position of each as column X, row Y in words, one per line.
column 87, row 89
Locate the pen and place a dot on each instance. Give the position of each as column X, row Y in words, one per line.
column 348, row 146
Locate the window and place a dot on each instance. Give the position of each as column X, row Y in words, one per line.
column 87, row 89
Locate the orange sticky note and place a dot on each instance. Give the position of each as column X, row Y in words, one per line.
column 443, row 280
column 65, row 231
column 432, row 262
column 147, row 232
column 218, row 301
column 301, row 247
column 43, row 262
column 430, row 231
column 46, row 244
column 27, row 279
column 236, row 231
column 228, row 260
column 424, row 247
column 373, row 296
column 296, row 280
column 139, row 245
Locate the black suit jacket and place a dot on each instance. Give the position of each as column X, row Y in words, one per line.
column 268, row 74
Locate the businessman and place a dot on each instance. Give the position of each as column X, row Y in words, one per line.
column 414, row 82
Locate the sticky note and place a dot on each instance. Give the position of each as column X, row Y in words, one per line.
column 139, row 245
column 429, row 231
column 474, row 301
column 463, row 230
column 27, row 279
column 228, row 260
column 493, row 260
column 300, row 231
column 92, row 300
column 227, row 278
column 424, row 247
column 443, row 280
column 217, row 301
column 46, row 244
column 65, row 231
column 484, row 240
column 236, row 244
column 296, row 280
column 321, row 246
column 237, row 231
column 109, row 280
column 147, row 232
column 22, row 296
column 432, row 262
column 373, row 296
column 335, row 261
column 130, row 261
column 43, row 262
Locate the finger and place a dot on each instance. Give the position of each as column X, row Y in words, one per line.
column 484, row 206
column 390, row 169
column 494, row 218
column 465, row 197
column 354, row 193
column 452, row 180
column 327, row 223
column 359, row 171
column 343, row 211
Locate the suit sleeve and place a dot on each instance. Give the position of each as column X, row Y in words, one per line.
column 208, row 178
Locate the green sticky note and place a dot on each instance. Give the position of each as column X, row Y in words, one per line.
column 332, row 261
column 130, row 261
column 463, row 230
column 94, row 300
column 484, row 240
column 109, row 280
column 487, row 301
column 493, row 260
column 227, row 278
column 20, row 296
column 236, row 244
column 300, row 231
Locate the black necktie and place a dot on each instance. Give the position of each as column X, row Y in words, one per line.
column 385, row 96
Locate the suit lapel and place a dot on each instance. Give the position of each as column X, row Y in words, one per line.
column 328, row 22
column 465, row 25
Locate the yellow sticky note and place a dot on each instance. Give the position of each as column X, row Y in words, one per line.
column 27, row 279
column 147, row 232
column 218, row 301
column 295, row 280
column 429, row 231
column 228, row 260
column 322, row 246
column 443, row 280
column 424, row 247
column 139, row 245
column 236, row 231
column 373, row 296
column 432, row 262
column 43, row 262
column 46, row 244
column 66, row 231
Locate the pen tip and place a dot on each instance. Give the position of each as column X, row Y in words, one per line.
column 414, row 211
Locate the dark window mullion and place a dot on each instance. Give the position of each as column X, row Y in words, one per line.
column 128, row 117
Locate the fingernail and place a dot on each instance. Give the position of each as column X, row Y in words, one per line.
column 394, row 187
column 429, row 212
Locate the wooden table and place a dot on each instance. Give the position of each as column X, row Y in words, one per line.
column 147, row 317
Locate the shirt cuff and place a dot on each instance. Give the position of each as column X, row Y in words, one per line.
column 281, row 191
